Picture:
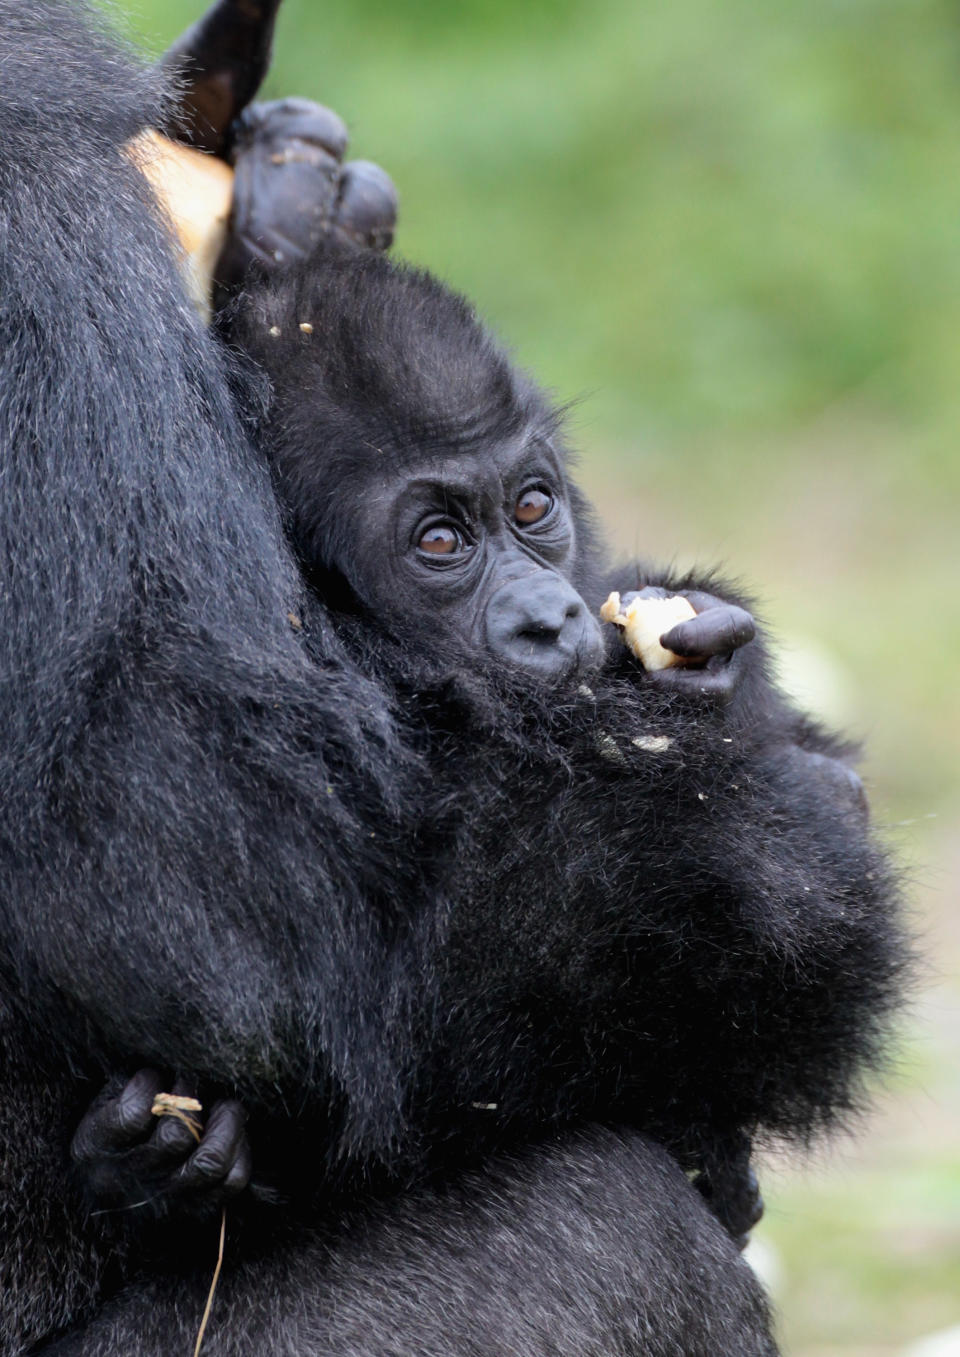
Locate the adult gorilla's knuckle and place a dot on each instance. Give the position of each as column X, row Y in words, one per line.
column 209, row 1164
column 231, row 1112
column 172, row 1136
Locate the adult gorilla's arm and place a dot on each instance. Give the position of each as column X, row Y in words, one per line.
column 597, row 1247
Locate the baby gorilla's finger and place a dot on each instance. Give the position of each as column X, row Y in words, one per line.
column 281, row 126
column 222, row 1156
column 367, row 205
column 286, row 186
column 116, row 1122
column 715, row 681
column 716, row 631
column 648, row 591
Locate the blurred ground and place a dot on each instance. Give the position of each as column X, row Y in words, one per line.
column 733, row 232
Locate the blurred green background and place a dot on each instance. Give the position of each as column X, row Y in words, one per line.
column 732, row 232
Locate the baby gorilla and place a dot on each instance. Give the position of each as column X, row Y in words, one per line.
column 661, row 903
column 425, row 480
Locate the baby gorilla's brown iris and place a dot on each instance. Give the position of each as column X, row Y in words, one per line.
column 532, row 506
column 440, row 540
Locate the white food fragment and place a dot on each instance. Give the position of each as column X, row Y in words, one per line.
column 306, row 328
column 274, row 331
column 652, row 744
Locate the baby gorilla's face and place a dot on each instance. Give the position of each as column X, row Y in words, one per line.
column 481, row 547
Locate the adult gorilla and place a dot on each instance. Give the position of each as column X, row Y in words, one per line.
column 182, row 781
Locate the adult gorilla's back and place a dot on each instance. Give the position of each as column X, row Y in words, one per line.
column 199, row 802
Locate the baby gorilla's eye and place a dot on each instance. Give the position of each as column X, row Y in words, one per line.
column 442, row 540
column 532, row 507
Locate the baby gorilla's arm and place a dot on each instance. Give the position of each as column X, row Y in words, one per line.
column 290, row 187
column 126, row 1158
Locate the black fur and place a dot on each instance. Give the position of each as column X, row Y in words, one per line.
column 198, row 842
column 597, row 1248
column 224, row 804
column 700, row 938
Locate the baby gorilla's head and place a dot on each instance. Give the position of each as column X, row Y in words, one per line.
column 417, row 465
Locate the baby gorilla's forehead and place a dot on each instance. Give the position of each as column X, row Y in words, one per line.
column 481, row 480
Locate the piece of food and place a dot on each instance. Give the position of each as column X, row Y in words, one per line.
column 644, row 621
column 195, row 192
column 174, row 1102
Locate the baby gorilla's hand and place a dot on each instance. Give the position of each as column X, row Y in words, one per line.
column 709, row 644
column 126, row 1158
column 291, row 189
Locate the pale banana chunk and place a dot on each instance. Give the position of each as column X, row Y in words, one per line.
column 644, row 621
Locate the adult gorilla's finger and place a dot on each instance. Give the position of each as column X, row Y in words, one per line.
column 215, row 1159
column 221, row 61
column 367, row 205
column 115, row 1122
column 238, row 1179
column 716, row 631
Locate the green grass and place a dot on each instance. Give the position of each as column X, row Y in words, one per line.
column 733, row 230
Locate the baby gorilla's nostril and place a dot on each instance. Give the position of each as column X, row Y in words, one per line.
column 540, row 632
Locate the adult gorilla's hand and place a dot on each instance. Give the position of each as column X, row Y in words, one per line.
column 125, row 1157
column 709, row 643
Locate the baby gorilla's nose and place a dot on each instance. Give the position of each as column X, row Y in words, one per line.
column 542, row 623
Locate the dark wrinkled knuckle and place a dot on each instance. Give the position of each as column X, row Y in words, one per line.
column 234, row 1112
column 133, row 1115
column 209, row 1165
column 173, row 1136
column 239, row 1173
